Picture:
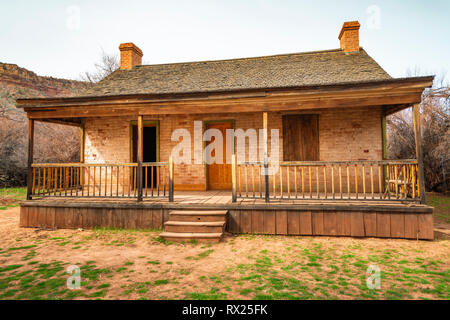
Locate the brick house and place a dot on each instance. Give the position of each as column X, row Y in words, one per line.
column 328, row 108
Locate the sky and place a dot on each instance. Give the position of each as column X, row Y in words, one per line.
column 64, row 38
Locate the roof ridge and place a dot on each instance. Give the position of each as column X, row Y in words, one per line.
column 248, row 58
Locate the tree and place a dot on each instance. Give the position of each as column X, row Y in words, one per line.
column 435, row 124
column 107, row 65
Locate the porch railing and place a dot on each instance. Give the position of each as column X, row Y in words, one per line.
column 330, row 180
column 83, row 180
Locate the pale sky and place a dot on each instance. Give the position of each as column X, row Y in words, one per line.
column 64, row 38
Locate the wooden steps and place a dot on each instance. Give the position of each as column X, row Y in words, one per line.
column 200, row 225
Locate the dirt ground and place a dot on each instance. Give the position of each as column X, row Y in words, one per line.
column 132, row 264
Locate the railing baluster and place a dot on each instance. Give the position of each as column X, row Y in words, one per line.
column 117, row 180
column 288, row 169
column 303, row 182
column 396, row 181
column 310, row 182
column 253, row 180
column 356, row 180
column 317, row 183
column 274, row 178
column 332, row 181
column 325, row 181
column 348, row 182
column 371, row 180
column 364, row 180
column 405, row 182
column 340, row 181
column 260, row 181
column 380, row 185
column 281, row 182
column 295, row 182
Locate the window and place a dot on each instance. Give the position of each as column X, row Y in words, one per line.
column 301, row 137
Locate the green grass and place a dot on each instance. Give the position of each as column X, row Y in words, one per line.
column 10, row 197
column 441, row 204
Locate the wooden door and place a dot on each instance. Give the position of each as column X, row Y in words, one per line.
column 301, row 137
column 219, row 175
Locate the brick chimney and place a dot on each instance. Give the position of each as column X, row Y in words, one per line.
column 349, row 36
column 130, row 56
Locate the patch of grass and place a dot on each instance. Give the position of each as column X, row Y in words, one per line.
column 11, row 267
column 201, row 255
column 153, row 262
column 10, row 197
column 160, row 282
column 441, row 204
column 22, row 248
column 213, row 294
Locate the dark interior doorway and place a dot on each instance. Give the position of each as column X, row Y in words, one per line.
column 150, row 150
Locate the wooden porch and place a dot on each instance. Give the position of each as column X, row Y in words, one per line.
column 390, row 219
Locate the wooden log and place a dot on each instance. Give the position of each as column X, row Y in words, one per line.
column 357, row 224
column 269, row 222
column 330, row 223
column 281, row 222
column 246, row 221
column 383, row 225
column 370, row 224
column 233, row 221
column 317, row 223
column 305, row 223
column 343, row 223
column 411, row 226
column 257, row 224
column 293, row 223
column 397, row 225
column 426, row 231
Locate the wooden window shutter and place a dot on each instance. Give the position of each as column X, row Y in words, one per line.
column 301, row 137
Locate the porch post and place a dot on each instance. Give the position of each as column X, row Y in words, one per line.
column 82, row 146
column 140, row 157
column 419, row 153
column 30, row 157
column 266, row 158
column 233, row 177
column 170, row 179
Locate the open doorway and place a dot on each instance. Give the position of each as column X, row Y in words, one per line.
column 150, row 146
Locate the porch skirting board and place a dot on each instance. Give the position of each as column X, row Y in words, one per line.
column 333, row 223
column 313, row 220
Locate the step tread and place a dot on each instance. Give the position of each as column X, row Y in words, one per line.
column 200, row 213
column 195, row 223
column 190, row 235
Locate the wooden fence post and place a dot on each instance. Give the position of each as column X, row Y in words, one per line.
column 171, row 179
column 266, row 158
column 140, row 157
column 30, row 157
column 233, row 178
column 419, row 152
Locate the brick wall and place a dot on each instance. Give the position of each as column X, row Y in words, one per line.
column 344, row 134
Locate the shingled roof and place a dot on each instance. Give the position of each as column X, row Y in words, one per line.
column 277, row 71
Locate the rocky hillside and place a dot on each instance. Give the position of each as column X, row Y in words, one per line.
column 54, row 143
column 18, row 82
